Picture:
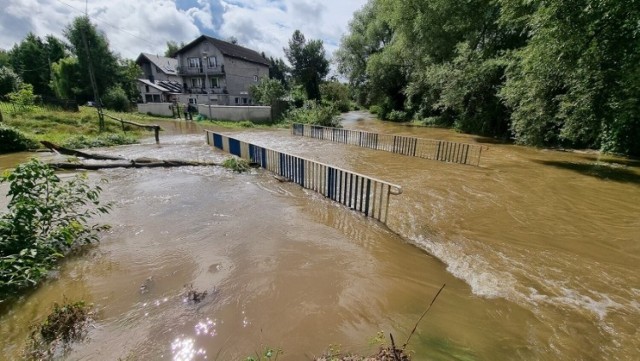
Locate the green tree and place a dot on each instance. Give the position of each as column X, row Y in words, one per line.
column 46, row 218
column 31, row 59
column 172, row 48
column 9, row 80
column 279, row 70
column 129, row 74
column 5, row 59
column 267, row 91
column 64, row 78
column 337, row 94
column 23, row 96
column 104, row 61
column 576, row 82
column 308, row 63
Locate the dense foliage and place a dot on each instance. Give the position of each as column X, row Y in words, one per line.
column 46, row 219
column 309, row 64
column 57, row 68
column 12, row 140
column 542, row 73
column 313, row 112
column 267, row 91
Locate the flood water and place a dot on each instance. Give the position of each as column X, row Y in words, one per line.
column 539, row 250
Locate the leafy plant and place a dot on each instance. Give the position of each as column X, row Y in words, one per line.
column 47, row 218
column 268, row 354
column 236, row 164
column 12, row 140
column 314, row 113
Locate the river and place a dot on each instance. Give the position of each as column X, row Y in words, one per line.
column 539, row 250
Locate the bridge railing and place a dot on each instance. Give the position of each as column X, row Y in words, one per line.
column 356, row 191
column 445, row 151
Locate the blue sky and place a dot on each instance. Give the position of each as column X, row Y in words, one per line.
column 134, row 26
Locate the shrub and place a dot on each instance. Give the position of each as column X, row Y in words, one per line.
column 11, row 140
column 236, row 164
column 314, row 113
column 397, row 116
column 116, row 99
column 46, row 219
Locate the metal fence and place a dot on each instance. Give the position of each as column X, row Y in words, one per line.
column 441, row 150
column 356, row 191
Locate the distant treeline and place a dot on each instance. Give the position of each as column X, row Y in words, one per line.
column 546, row 73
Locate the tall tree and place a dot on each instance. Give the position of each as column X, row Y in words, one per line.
column 279, row 70
column 172, row 48
column 82, row 34
column 308, row 63
column 31, row 59
column 9, row 80
column 64, row 78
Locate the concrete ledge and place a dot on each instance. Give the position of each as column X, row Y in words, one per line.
column 236, row 113
column 161, row 109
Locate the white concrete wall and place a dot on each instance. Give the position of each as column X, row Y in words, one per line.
column 162, row 109
column 236, row 113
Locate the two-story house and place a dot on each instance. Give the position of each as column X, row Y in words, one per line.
column 218, row 72
column 161, row 82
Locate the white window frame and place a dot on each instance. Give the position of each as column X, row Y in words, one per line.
column 194, row 62
column 255, row 78
column 214, row 82
column 212, row 64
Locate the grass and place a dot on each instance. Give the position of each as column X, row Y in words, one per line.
column 74, row 129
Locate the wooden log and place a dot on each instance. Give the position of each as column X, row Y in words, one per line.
column 132, row 164
column 77, row 153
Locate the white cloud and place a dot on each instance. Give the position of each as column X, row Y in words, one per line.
column 145, row 26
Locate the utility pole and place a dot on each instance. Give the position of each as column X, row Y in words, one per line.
column 92, row 78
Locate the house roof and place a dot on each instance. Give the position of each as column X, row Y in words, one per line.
column 228, row 49
column 166, row 65
column 165, row 86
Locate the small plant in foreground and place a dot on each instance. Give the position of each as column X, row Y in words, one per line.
column 65, row 324
column 47, row 218
column 268, row 354
column 236, row 164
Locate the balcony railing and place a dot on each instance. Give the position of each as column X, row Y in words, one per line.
column 195, row 90
column 185, row 70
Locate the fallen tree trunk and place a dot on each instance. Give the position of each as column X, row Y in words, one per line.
column 127, row 163
column 131, row 164
column 77, row 153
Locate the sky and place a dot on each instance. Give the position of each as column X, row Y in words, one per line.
column 135, row 26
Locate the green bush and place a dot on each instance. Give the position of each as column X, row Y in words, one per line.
column 46, row 219
column 116, row 99
column 236, row 164
column 11, row 140
column 397, row 116
column 375, row 109
column 314, row 113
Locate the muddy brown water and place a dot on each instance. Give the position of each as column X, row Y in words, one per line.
column 540, row 251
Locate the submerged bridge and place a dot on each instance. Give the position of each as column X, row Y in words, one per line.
column 356, row 191
column 441, row 150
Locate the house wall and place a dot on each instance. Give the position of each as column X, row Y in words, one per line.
column 196, row 52
column 252, row 113
column 162, row 109
column 240, row 75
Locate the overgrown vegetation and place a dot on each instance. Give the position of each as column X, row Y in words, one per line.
column 314, row 113
column 541, row 73
column 236, row 164
column 47, row 218
column 65, row 324
column 12, row 140
column 69, row 129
